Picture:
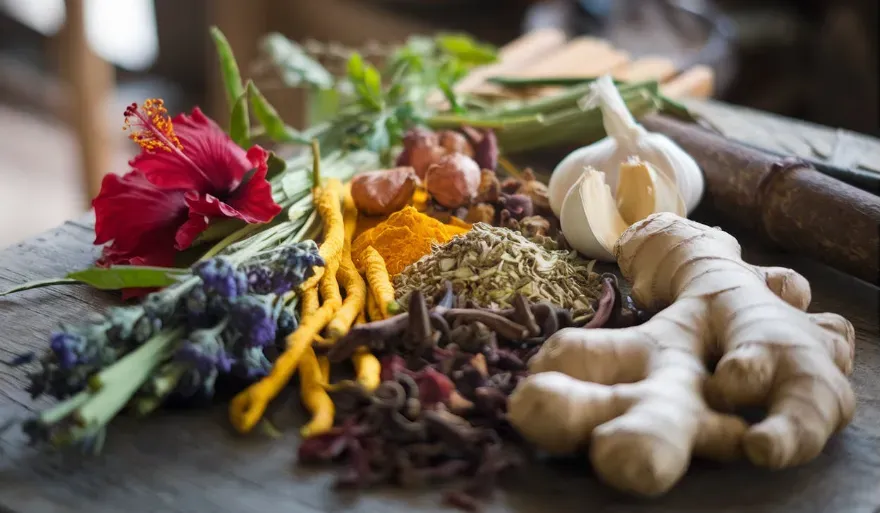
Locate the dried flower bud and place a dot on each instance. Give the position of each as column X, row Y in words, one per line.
column 519, row 205
column 487, row 151
column 453, row 182
column 537, row 191
column 481, row 213
column 382, row 192
column 454, row 142
column 489, row 189
column 535, row 226
column 511, row 185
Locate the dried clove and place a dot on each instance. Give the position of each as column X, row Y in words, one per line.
column 523, row 315
column 501, row 325
column 372, row 334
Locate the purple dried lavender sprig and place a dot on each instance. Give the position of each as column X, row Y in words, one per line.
column 254, row 319
column 284, row 270
column 220, row 276
column 205, row 352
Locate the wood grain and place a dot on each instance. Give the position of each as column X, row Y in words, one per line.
column 189, row 461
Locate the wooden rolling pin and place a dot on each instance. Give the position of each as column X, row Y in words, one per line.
column 795, row 206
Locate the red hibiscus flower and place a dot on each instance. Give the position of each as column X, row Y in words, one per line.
column 189, row 172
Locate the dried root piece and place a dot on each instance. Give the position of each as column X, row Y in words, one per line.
column 636, row 395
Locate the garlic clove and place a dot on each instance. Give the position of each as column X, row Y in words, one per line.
column 643, row 191
column 676, row 164
column 567, row 172
column 589, row 218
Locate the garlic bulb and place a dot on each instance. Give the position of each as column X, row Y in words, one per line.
column 625, row 138
column 589, row 218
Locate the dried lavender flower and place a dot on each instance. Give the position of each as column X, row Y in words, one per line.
column 253, row 318
column 220, row 276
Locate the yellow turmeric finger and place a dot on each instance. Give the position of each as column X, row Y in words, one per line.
column 327, row 203
column 309, row 302
column 373, row 311
column 314, row 396
column 362, row 317
column 367, row 369
column 348, row 276
column 379, row 281
column 356, row 296
column 324, row 364
column 246, row 408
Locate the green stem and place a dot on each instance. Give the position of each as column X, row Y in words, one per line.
column 119, row 382
column 231, row 238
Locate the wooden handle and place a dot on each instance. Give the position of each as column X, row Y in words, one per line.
column 792, row 204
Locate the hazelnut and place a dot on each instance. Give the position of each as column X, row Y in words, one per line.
column 424, row 154
column 453, row 181
column 454, row 142
column 382, row 192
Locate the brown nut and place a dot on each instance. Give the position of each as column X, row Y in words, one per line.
column 481, row 213
column 453, row 182
column 454, row 142
column 379, row 193
column 423, row 154
column 489, row 189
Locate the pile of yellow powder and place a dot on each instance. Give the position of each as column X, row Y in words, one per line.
column 403, row 238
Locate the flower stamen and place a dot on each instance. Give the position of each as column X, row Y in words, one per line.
column 151, row 126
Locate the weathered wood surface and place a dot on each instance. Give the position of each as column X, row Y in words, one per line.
column 190, row 461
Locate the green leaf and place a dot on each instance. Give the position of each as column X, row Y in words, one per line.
column 379, row 137
column 38, row 284
column 295, row 66
column 239, row 122
column 323, row 105
column 373, row 82
column 274, row 165
column 355, row 68
column 274, row 126
column 229, row 69
column 128, row 276
column 451, row 97
column 466, row 49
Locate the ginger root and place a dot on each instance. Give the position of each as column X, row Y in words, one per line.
column 636, row 396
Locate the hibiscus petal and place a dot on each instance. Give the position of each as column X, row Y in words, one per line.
column 139, row 218
column 187, row 233
column 254, row 198
column 214, row 163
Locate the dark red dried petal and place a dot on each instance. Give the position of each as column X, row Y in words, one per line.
column 434, row 387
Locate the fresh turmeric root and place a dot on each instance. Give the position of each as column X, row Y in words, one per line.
column 246, row 408
column 314, row 396
column 378, row 280
column 348, row 276
column 636, row 395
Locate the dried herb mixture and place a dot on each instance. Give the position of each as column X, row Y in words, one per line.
column 491, row 265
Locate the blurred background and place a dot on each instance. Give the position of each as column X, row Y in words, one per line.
column 69, row 67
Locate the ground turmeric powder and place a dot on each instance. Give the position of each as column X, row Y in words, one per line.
column 403, row 238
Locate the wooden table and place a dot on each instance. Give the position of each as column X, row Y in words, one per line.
column 191, row 462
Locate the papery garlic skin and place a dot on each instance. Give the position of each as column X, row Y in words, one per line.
column 625, row 138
